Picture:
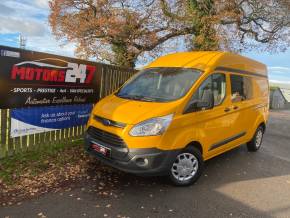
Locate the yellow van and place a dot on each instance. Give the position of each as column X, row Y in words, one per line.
column 179, row 111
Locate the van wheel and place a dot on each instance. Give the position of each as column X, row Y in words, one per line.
column 256, row 142
column 187, row 167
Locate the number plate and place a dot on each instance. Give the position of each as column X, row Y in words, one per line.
column 101, row 149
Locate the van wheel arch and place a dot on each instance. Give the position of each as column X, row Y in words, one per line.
column 255, row 143
column 263, row 125
column 196, row 145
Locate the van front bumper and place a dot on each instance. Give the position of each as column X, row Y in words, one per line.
column 143, row 161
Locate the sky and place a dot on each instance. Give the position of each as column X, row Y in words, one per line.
column 30, row 18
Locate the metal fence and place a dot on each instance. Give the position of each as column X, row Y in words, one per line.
column 112, row 77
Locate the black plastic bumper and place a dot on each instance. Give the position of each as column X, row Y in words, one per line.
column 147, row 161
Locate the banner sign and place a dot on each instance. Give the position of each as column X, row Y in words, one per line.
column 29, row 78
column 27, row 121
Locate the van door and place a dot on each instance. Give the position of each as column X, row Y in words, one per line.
column 242, row 100
column 213, row 125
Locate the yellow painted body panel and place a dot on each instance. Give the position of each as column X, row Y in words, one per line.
column 205, row 127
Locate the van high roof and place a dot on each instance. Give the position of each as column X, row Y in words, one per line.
column 212, row 60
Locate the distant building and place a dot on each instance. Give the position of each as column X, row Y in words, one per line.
column 286, row 94
column 280, row 98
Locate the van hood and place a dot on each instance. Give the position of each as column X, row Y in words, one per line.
column 131, row 111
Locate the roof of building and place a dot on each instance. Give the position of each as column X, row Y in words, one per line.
column 211, row 60
column 286, row 94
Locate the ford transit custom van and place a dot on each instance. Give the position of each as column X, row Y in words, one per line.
column 179, row 111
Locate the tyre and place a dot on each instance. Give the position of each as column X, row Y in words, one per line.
column 187, row 167
column 256, row 142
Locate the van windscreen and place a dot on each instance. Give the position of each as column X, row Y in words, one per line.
column 159, row 84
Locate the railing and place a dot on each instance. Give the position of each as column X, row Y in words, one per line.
column 112, row 78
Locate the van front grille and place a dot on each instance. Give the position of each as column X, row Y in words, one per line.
column 106, row 137
column 107, row 122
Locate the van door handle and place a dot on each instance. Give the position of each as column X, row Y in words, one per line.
column 227, row 109
column 235, row 107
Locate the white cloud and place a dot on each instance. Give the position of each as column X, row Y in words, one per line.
column 49, row 44
column 26, row 9
column 15, row 25
column 6, row 10
column 279, row 81
column 279, row 74
column 30, row 18
column 41, row 3
column 26, row 17
column 280, row 70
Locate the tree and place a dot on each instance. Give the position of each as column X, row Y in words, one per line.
column 111, row 30
column 119, row 31
column 237, row 25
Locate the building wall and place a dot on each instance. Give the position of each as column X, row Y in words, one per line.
column 287, row 105
column 278, row 101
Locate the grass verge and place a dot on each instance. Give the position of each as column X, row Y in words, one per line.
column 36, row 161
column 38, row 171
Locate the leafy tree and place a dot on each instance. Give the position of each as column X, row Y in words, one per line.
column 120, row 31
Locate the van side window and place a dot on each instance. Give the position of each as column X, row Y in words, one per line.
column 219, row 88
column 242, row 88
column 262, row 87
column 214, row 86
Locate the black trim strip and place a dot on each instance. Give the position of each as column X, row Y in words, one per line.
column 107, row 122
column 239, row 71
column 214, row 146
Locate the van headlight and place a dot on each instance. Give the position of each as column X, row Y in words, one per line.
column 151, row 127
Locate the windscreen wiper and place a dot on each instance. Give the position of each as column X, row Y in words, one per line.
column 138, row 97
column 146, row 98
